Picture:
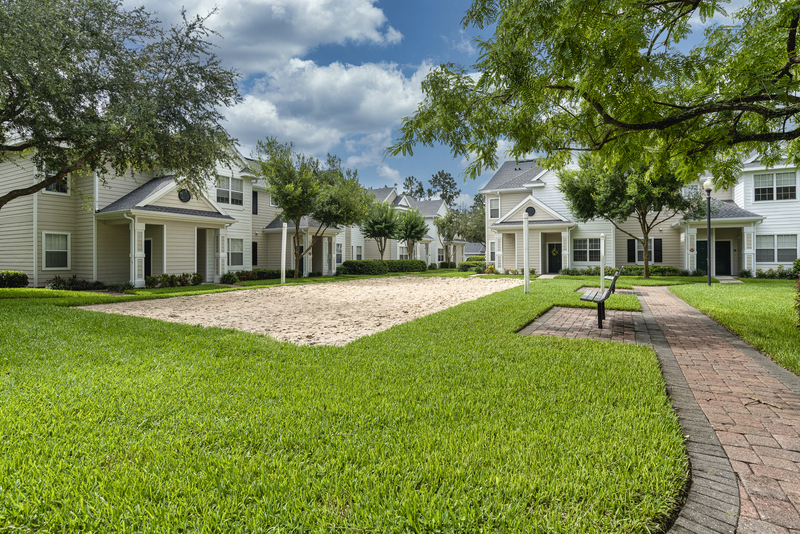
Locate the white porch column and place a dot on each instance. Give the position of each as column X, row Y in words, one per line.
column 691, row 249
column 325, row 256
column 331, row 253
column 748, row 246
column 565, row 249
column 220, row 256
column 138, row 254
column 498, row 252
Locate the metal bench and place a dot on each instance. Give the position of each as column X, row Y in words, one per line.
column 600, row 298
column 614, row 278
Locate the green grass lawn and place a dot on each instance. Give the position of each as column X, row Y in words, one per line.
column 759, row 311
column 452, row 422
column 627, row 282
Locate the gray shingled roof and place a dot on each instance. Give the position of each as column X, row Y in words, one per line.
column 130, row 201
column 305, row 222
column 513, row 175
column 727, row 209
column 474, row 249
column 381, row 193
column 532, row 223
column 427, row 208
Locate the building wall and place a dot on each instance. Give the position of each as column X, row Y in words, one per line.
column 672, row 245
column 155, row 232
column 16, row 218
column 113, row 252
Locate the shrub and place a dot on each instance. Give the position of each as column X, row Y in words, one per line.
column 696, row 272
column 365, row 267
column 479, row 269
column 151, row 281
column 447, row 265
column 476, row 258
column 512, row 271
column 405, row 266
column 796, row 268
column 432, row 267
column 490, row 270
column 197, row 279
column 265, row 274
column 465, row 266
column 228, row 278
column 745, row 273
column 532, row 272
column 780, row 273
column 120, row 288
column 315, row 274
column 13, row 279
column 797, row 300
column 74, row 284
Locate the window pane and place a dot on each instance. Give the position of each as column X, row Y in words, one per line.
column 787, row 241
column 236, row 245
column 237, row 258
column 765, row 255
column 762, row 180
column 237, row 199
column 580, row 255
column 222, row 196
column 765, row 241
column 579, row 244
column 594, row 255
column 55, row 242
column 594, row 244
column 785, row 193
column 784, row 179
column 787, row 255
column 237, row 185
column 55, row 260
column 494, row 208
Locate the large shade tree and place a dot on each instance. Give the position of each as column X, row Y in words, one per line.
column 621, row 77
column 90, row 86
column 448, row 226
column 616, row 194
column 381, row 224
column 411, row 229
column 301, row 186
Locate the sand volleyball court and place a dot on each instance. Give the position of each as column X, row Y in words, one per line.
column 317, row 314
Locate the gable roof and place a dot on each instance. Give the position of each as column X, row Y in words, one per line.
column 426, row 208
column 727, row 209
column 515, row 175
column 132, row 200
column 305, row 222
column 380, row 194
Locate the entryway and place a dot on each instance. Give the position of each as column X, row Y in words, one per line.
column 553, row 257
column 722, row 258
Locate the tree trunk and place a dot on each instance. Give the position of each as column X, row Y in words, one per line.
column 646, row 246
column 381, row 241
column 296, row 249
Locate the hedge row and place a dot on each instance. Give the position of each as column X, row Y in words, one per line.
column 13, row 279
column 381, row 267
column 173, row 280
column 631, row 270
column 476, row 258
column 465, row 266
column 264, row 274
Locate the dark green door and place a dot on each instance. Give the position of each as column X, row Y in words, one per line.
column 554, row 255
column 702, row 256
column 722, row 258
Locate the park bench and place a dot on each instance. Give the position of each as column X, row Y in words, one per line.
column 600, row 298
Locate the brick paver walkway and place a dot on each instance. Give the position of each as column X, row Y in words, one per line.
column 752, row 405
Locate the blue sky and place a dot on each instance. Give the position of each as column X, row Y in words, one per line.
column 337, row 75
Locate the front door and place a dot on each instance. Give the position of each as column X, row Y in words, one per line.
column 148, row 257
column 554, row 257
column 702, row 256
column 722, row 258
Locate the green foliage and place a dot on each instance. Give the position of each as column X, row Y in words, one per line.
column 780, row 273
column 745, row 273
column 465, row 266
column 759, row 311
column 216, row 420
column 432, row 267
column 411, row 228
column 72, row 283
column 630, row 270
column 795, row 268
column 478, row 269
column 302, row 186
column 228, row 278
column 151, row 282
column 447, row 265
column 627, row 282
column 413, row 188
column 448, row 228
column 476, row 258
column 120, row 287
column 405, row 266
column 797, row 303
column 381, row 224
column 91, row 86
column 618, row 76
column 597, row 191
column 444, row 186
column 364, row 267
column 265, row 274
column 13, row 279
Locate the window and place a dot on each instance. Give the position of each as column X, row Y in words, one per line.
column 494, row 208
column 780, row 186
column 61, row 187
column 272, row 202
column 338, row 253
column 594, row 249
column 492, row 246
column 580, row 250
column 767, row 245
column 440, row 255
column 255, row 203
column 235, row 252
column 787, row 248
column 56, row 250
column 358, row 252
column 230, row 191
column 765, row 248
column 403, row 253
column 254, row 253
column 691, row 190
column 640, row 251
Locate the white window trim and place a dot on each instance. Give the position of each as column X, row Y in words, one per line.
column 69, row 252
column 272, row 202
column 775, row 186
column 650, row 249
column 338, row 252
column 56, row 193
column 230, row 263
column 492, row 251
column 359, row 254
column 490, row 208
column 230, row 190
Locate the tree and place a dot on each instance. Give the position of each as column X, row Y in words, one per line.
column 329, row 195
column 412, row 228
column 413, row 188
column 616, row 194
column 444, row 186
column 382, row 224
column 618, row 76
column 448, row 228
column 473, row 221
column 88, row 86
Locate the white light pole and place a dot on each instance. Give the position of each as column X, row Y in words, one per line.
column 708, row 185
column 283, row 255
column 602, row 263
column 525, row 261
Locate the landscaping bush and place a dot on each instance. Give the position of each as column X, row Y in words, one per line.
column 532, row 272
column 151, row 281
column 697, row 272
column 74, row 284
column 405, row 266
column 120, row 288
column 476, row 258
column 13, row 279
column 264, row 274
column 432, row 267
column 364, row 267
column 227, row 278
column 745, row 273
column 447, row 265
column 465, row 266
column 479, row 269
column 490, row 270
column 796, row 268
column 315, row 274
column 780, row 273
column 169, row 280
column 197, row 279
column 630, row 270
column 797, row 301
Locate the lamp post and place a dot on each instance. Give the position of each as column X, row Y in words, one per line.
column 708, row 185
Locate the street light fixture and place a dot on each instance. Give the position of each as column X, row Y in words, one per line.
column 708, row 185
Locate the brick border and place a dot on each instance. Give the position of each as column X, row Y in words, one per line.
column 712, row 504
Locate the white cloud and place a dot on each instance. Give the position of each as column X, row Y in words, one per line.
column 389, row 174
column 259, row 35
column 462, row 43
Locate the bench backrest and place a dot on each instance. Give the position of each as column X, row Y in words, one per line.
column 614, row 280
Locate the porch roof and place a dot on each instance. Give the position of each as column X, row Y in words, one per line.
column 727, row 209
column 305, row 222
column 534, row 223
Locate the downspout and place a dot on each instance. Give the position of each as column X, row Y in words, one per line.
column 132, row 228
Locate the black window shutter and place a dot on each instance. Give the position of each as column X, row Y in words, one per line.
column 657, row 254
column 255, row 202
column 631, row 251
column 255, row 253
